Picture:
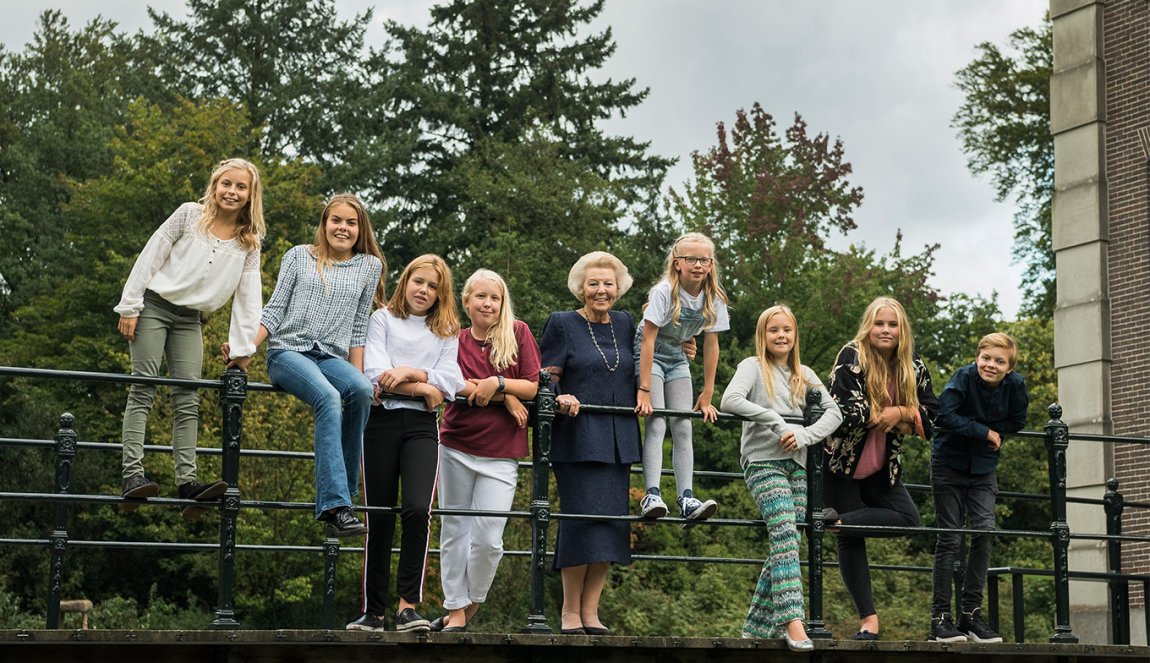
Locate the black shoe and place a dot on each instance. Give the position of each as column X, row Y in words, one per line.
column 942, row 629
column 976, row 629
column 573, row 631
column 409, row 620
column 865, row 635
column 436, row 625
column 596, row 630
column 366, row 622
column 342, row 522
column 454, row 629
column 201, row 492
column 138, row 489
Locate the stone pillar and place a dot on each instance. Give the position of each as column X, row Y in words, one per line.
column 1082, row 338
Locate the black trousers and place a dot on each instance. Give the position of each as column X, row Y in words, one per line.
column 956, row 496
column 869, row 501
column 399, row 446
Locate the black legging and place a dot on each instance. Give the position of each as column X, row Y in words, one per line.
column 398, row 445
column 869, row 501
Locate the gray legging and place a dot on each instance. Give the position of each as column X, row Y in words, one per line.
column 674, row 395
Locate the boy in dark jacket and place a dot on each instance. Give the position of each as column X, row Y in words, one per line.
column 982, row 402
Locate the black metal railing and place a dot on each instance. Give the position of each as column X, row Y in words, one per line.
column 233, row 388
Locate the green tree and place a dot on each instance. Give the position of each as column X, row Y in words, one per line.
column 295, row 68
column 1004, row 124
column 499, row 73
column 60, row 102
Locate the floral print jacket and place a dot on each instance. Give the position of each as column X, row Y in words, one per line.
column 848, row 389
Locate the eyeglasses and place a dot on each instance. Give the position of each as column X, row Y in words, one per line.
column 696, row 260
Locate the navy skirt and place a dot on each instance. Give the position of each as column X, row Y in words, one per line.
column 598, row 489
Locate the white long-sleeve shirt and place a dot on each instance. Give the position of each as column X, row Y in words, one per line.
column 199, row 271
column 394, row 341
column 746, row 396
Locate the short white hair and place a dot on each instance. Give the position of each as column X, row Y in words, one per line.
column 602, row 260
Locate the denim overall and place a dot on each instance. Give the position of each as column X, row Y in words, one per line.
column 670, row 361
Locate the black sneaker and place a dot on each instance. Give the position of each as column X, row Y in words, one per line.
column 342, row 522
column 201, row 492
column 409, row 620
column 366, row 622
column 942, row 629
column 137, row 488
column 976, row 629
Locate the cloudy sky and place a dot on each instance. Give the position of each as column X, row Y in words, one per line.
column 876, row 73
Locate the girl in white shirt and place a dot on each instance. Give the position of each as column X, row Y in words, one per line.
column 203, row 255
column 411, row 351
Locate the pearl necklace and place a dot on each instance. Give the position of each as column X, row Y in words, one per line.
column 614, row 343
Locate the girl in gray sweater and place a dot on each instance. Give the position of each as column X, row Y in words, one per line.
column 766, row 388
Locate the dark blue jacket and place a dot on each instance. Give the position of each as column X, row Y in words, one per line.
column 968, row 410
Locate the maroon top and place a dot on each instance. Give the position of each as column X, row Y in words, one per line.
column 489, row 431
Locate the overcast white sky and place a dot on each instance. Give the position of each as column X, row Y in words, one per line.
column 877, row 73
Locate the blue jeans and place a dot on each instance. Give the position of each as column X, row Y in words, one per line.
column 340, row 397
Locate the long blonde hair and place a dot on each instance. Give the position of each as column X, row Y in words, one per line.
column 365, row 242
column 878, row 371
column 501, row 335
column 767, row 361
column 250, row 228
column 442, row 319
column 711, row 288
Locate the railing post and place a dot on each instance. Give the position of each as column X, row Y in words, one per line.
column 1119, row 592
column 992, row 606
column 540, row 502
column 816, row 626
column 233, row 391
column 1057, row 441
column 1018, row 599
column 330, row 557
column 65, row 452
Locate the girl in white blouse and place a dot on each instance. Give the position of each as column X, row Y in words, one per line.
column 412, row 347
column 204, row 254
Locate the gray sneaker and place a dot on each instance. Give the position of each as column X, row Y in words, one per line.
column 653, row 506
column 137, row 488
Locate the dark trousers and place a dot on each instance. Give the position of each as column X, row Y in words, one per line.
column 869, row 501
column 957, row 495
column 398, row 446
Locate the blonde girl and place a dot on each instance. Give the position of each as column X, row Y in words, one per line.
column 412, row 345
column 480, row 443
column 766, row 388
column 884, row 391
column 316, row 326
column 206, row 253
column 687, row 301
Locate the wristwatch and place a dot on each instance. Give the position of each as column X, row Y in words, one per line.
column 502, row 384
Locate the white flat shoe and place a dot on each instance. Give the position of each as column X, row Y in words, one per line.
column 798, row 645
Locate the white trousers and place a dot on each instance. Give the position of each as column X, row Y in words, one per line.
column 470, row 547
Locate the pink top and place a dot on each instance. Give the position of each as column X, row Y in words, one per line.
column 490, row 432
column 873, row 456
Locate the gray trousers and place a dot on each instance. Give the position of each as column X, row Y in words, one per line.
column 165, row 331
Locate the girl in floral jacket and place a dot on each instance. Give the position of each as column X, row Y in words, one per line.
column 884, row 391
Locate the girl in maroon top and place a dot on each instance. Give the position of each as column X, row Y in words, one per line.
column 480, row 443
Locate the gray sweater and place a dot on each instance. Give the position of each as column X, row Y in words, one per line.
column 747, row 396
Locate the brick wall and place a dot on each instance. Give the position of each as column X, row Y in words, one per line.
column 1126, row 50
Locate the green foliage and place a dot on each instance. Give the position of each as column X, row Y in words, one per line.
column 1004, row 124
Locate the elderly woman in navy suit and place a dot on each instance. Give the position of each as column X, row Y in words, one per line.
column 588, row 352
